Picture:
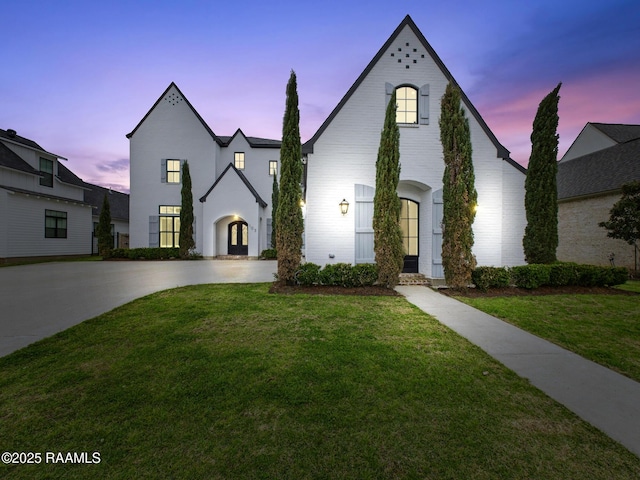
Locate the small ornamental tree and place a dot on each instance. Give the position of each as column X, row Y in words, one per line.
column 289, row 223
column 624, row 222
column 387, row 235
column 541, row 196
column 458, row 192
column 275, row 193
column 186, row 241
column 103, row 230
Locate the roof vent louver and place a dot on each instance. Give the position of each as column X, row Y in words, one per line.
column 11, row 133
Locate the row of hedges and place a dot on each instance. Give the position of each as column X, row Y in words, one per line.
column 145, row 253
column 337, row 274
column 554, row 275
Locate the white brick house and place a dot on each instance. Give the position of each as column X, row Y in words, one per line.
column 341, row 157
column 339, row 164
column 231, row 177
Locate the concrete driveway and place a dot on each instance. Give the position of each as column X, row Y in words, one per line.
column 39, row 300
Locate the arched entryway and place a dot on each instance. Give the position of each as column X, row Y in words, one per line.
column 238, row 243
column 409, row 224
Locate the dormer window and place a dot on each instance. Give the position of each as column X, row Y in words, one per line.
column 407, row 105
column 46, row 170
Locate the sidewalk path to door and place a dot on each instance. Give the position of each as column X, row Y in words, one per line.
column 607, row 400
column 39, row 300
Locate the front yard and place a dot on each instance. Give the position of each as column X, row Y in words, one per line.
column 602, row 328
column 229, row 381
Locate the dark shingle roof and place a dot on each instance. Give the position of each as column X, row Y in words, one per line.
column 244, row 179
column 10, row 159
column 619, row 133
column 43, row 195
column 599, row 172
column 118, row 201
column 11, row 135
column 67, row 176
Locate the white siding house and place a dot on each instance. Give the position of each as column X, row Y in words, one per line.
column 230, row 178
column 42, row 206
column 340, row 161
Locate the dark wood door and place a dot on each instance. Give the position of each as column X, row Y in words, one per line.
column 238, row 238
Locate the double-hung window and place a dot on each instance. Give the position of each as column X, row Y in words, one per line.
column 407, row 105
column 169, row 226
column 173, row 171
column 46, row 172
column 273, row 167
column 55, row 224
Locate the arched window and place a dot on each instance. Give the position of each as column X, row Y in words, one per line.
column 407, row 105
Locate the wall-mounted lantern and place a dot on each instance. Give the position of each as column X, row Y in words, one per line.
column 344, row 207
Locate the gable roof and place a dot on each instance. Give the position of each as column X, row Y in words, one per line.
column 254, row 142
column 502, row 152
column 244, row 179
column 118, row 201
column 603, row 171
column 12, row 137
column 619, row 133
column 173, row 85
column 67, row 176
column 10, row 159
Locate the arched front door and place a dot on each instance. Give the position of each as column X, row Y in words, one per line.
column 238, row 238
column 409, row 221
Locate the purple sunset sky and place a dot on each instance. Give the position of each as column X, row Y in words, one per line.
column 78, row 75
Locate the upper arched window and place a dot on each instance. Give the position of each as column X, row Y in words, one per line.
column 407, row 105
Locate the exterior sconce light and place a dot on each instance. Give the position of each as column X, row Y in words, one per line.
column 344, row 207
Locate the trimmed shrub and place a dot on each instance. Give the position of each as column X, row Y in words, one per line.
column 561, row 274
column 593, row 276
column 269, row 254
column 146, row 253
column 485, row 278
column 530, row 276
column 308, row 274
column 365, row 274
column 337, row 274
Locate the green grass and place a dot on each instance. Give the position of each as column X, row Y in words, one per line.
column 602, row 328
column 230, row 382
column 631, row 286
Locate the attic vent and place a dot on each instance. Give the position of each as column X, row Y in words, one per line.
column 11, row 133
column 173, row 98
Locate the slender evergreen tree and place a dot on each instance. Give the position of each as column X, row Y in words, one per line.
column 387, row 235
column 459, row 193
column 103, row 230
column 275, row 193
column 541, row 196
column 186, row 241
column 289, row 223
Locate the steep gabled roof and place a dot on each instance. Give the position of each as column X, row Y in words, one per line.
column 10, row 159
column 254, row 142
column 599, row 172
column 502, row 152
column 11, row 136
column 67, row 176
column 244, row 179
column 173, row 85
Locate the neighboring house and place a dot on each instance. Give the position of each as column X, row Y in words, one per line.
column 45, row 209
column 119, row 210
column 232, row 176
column 601, row 159
column 42, row 206
column 341, row 159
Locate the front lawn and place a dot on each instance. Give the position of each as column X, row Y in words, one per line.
column 231, row 382
column 602, row 328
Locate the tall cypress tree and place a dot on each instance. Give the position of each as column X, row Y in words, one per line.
column 459, row 193
column 103, row 230
column 541, row 196
column 289, row 223
column 275, row 193
column 387, row 235
column 186, row 214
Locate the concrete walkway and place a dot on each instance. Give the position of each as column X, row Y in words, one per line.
column 37, row 301
column 605, row 399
